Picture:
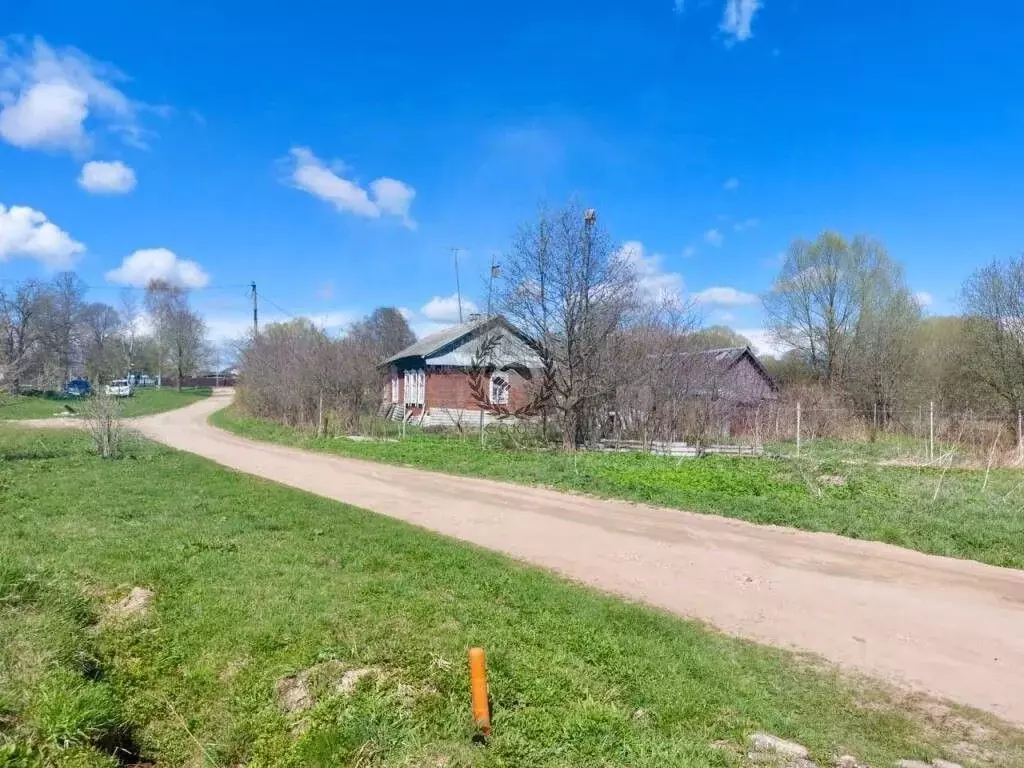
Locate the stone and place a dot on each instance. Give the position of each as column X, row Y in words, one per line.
column 297, row 693
column 846, row 761
column 765, row 742
column 913, row 764
column 137, row 603
column 945, row 764
column 348, row 682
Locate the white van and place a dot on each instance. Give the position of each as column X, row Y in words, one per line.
column 119, row 388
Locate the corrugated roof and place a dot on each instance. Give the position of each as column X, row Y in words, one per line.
column 719, row 361
column 435, row 342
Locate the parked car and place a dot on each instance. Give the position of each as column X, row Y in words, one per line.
column 78, row 388
column 120, row 388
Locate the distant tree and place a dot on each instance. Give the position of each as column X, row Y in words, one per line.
column 22, row 322
column 883, row 351
column 385, row 331
column 814, row 303
column 181, row 331
column 66, row 302
column 845, row 308
column 993, row 303
column 100, row 348
column 130, row 330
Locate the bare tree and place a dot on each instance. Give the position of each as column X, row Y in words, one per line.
column 567, row 286
column 181, row 331
column 814, row 303
column 883, row 347
column 100, row 348
column 131, row 319
column 67, row 300
column 385, row 331
column 993, row 302
column 22, row 312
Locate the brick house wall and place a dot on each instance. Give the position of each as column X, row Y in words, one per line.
column 449, row 387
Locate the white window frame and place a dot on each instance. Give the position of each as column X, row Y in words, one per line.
column 502, row 399
column 415, row 387
column 394, row 388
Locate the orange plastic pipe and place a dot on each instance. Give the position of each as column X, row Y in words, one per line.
column 478, row 690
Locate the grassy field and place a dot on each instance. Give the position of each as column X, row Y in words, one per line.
column 142, row 403
column 959, row 513
column 254, row 581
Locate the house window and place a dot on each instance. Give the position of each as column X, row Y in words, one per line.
column 415, row 387
column 499, row 389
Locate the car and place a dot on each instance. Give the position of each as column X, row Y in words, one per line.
column 120, row 388
column 78, row 388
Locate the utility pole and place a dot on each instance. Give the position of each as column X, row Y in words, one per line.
column 458, row 288
column 255, row 313
column 495, row 272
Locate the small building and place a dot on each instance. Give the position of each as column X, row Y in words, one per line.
column 729, row 386
column 733, row 375
column 428, row 382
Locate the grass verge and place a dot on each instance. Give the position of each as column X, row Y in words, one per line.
column 143, row 403
column 254, row 581
column 958, row 513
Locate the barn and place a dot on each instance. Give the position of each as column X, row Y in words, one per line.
column 731, row 384
column 428, row 382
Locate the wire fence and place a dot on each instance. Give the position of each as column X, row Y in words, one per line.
column 926, row 434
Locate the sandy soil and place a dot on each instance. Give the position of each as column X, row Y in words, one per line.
column 946, row 627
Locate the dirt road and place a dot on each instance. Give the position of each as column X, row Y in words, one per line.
column 951, row 628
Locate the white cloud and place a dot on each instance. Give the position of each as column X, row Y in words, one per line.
column 101, row 178
column 746, row 224
column 731, row 184
column 445, row 309
column 725, row 317
column 653, row 280
column 141, row 267
column 26, row 232
column 394, row 197
column 924, row 299
column 738, row 17
column 387, row 197
column 714, row 237
column 724, row 296
column 689, row 252
column 764, row 341
column 407, row 313
column 49, row 98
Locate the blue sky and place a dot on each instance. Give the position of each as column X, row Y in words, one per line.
column 336, row 155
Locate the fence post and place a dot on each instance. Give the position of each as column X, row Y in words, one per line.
column 798, row 429
column 1020, row 437
column 874, row 416
column 931, row 430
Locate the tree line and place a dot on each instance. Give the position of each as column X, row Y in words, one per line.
column 857, row 335
column 51, row 333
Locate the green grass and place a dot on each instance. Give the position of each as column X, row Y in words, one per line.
column 970, row 517
column 254, row 581
column 143, row 403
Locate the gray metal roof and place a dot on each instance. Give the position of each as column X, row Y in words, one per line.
column 457, row 345
column 435, row 341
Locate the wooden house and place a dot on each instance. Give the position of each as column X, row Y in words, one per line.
column 428, row 382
